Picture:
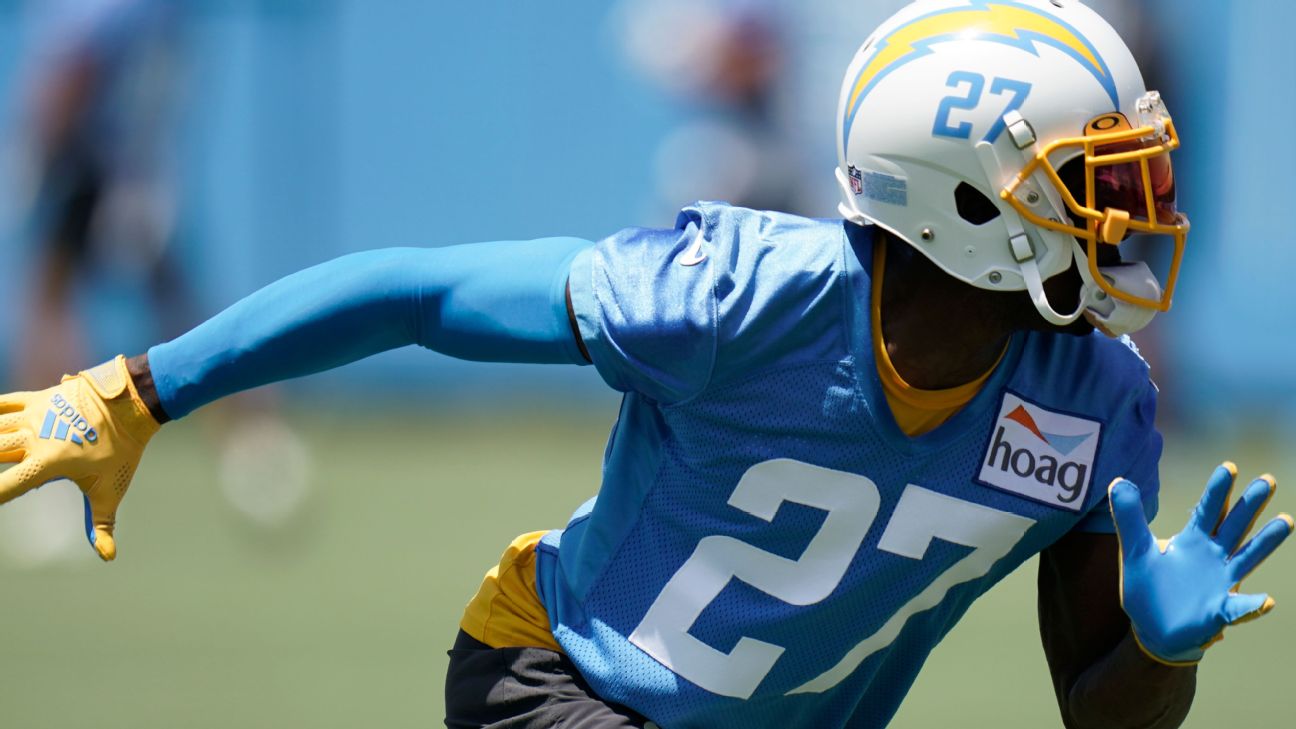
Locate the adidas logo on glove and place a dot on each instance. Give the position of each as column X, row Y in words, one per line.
column 1041, row 454
column 63, row 422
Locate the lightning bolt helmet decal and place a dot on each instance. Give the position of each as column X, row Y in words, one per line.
column 1009, row 23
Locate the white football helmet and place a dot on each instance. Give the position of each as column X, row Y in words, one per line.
column 956, row 123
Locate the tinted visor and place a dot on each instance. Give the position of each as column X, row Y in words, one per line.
column 1116, row 184
column 1132, row 174
column 1136, row 187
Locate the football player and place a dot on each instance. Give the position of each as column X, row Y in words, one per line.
column 835, row 434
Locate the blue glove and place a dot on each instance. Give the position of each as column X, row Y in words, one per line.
column 1181, row 593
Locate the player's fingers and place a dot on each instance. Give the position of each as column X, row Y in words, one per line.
column 1241, row 608
column 100, row 516
column 1242, row 517
column 13, row 402
column 12, row 440
column 1209, row 512
column 13, row 446
column 1249, row 557
column 16, row 481
column 12, row 421
column 99, row 530
column 1131, row 523
column 105, row 544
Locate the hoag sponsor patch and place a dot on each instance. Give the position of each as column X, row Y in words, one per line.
column 1041, row 454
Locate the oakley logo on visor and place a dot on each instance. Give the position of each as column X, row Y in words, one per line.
column 1123, row 182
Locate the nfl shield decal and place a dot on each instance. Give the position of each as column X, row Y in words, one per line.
column 1041, row 454
column 856, row 180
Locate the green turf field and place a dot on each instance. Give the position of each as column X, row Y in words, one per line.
column 342, row 619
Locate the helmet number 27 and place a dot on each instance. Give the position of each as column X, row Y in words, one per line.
column 971, row 87
column 851, row 503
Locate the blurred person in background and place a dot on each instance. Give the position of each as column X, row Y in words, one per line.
column 726, row 60
column 101, row 113
column 100, row 108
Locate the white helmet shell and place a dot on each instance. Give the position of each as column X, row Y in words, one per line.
column 957, row 93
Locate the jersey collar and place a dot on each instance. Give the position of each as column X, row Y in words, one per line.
column 859, row 243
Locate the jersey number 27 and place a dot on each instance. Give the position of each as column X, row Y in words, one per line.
column 852, row 503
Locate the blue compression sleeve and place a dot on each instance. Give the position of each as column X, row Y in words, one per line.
column 494, row 302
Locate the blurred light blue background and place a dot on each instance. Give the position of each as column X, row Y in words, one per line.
column 312, row 128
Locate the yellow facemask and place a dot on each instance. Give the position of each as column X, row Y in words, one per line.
column 1128, row 188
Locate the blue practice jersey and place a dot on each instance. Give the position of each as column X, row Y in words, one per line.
column 768, row 548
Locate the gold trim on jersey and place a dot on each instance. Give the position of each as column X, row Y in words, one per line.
column 506, row 612
column 915, row 411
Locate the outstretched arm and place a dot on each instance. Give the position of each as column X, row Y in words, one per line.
column 1125, row 619
column 1100, row 676
column 488, row 302
column 495, row 302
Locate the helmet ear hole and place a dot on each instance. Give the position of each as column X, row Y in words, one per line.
column 973, row 205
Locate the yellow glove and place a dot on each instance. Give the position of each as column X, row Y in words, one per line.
column 90, row 429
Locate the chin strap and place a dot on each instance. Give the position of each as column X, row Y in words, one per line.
column 1115, row 317
column 1023, row 250
column 1035, row 287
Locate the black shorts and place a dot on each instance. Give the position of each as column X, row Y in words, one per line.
column 524, row 688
